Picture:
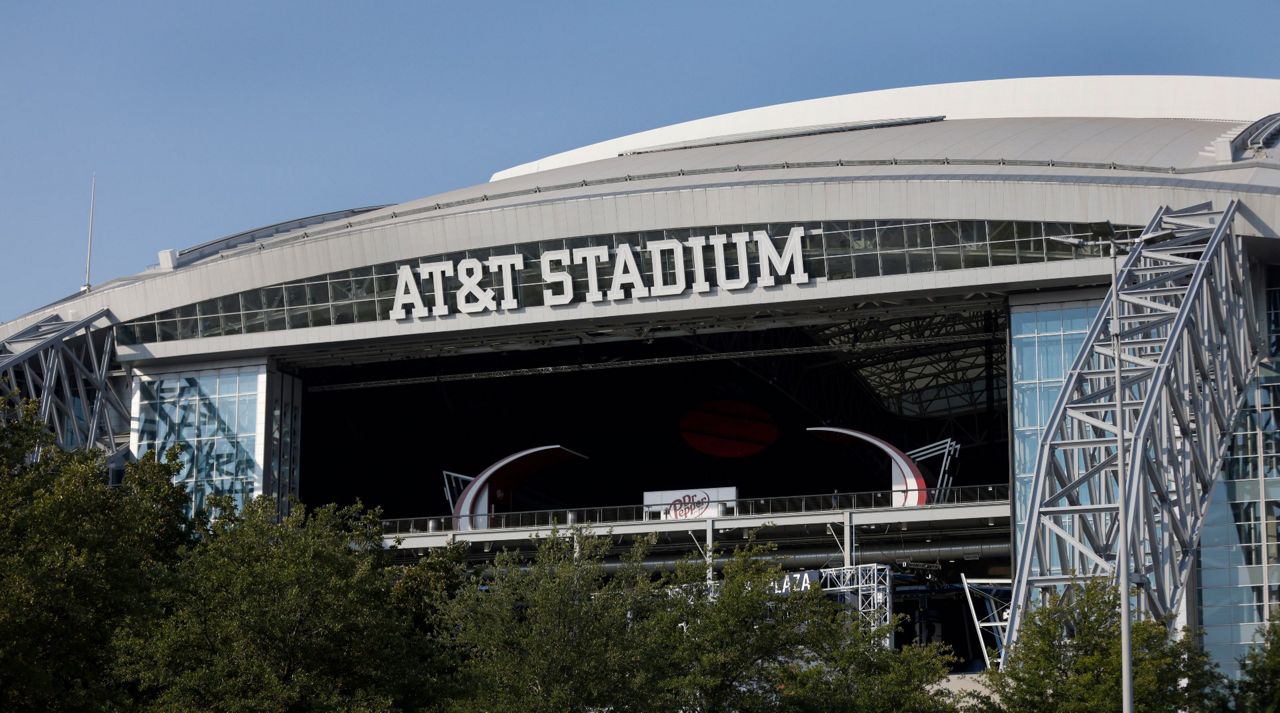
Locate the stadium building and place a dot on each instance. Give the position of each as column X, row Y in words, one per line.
column 917, row 338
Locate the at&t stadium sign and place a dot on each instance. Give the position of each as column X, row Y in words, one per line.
column 613, row 274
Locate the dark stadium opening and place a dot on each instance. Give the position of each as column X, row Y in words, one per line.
column 716, row 410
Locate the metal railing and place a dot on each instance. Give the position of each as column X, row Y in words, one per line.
column 741, row 507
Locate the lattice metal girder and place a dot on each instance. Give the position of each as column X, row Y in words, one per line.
column 1188, row 346
column 67, row 366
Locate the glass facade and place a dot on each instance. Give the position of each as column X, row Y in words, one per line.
column 1240, row 547
column 1043, row 341
column 834, row 250
column 216, row 415
column 1239, row 566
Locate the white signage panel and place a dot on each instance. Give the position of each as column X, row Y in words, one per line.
column 689, row 503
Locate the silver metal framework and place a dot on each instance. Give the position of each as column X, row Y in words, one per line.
column 992, row 623
column 868, row 589
column 70, row 368
column 1188, row 348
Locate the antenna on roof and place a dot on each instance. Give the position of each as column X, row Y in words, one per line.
column 93, row 190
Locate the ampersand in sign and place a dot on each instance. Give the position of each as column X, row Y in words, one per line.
column 470, row 272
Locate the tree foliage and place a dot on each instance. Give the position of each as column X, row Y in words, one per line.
column 280, row 616
column 78, row 560
column 1068, row 659
column 112, row 599
column 1258, row 690
column 558, row 632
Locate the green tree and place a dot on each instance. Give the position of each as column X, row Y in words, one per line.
column 1068, row 659
column 78, row 559
column 552, row 632
column 295, row 615
column 1258, row 689
column 752, row 648
column 424, row 593
column 850, row 669
column 561, row 631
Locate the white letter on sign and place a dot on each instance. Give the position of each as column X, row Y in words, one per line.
column 656, row 249
column 407, row 294
column 626, row 272
column 437, row 271
column 592, row 257
column 549, row 297
column 505, row 263
column 722, row 270
column 791, row 253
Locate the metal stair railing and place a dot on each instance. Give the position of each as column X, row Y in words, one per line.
column 1188, row 347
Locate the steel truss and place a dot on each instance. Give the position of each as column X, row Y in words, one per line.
column 1188, row 347
column 70, row 368
column 990, row 597
column 867, row 588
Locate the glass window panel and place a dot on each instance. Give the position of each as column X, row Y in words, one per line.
column 366, row 311
column 1049, row 349
column 207, row 308
column 1048, row 397
column 340, row 290
column 275, row 320
column 248, row 381
column 229, row 304
column 839, row 268
column 344, row 313
column 227, row 415
column 167, row 330
column 319, row 315
column 255, row 322
column 232, row 324
column 251, row 300
column 1024, row 359
column 1024, row 406
column 386, row 285
column 210, row 326
column 384, row 308
column 1048, row 320
column 317, row 293
column 272, row 297
column 837, row 243
column 866, row 265
column 891, row 236
column 362, row 288
column 920, row 260
column 297, row 318
column 295, row 295
column 1022, row 322
column 893, row 263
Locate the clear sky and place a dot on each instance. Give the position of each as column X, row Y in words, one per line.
column 205, row 119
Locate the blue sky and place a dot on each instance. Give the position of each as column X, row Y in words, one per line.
column 204, row 119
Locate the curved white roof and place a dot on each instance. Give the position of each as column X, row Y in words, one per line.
column 1232, row 99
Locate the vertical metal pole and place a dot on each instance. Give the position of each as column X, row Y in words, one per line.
column 848, row 538
column 88, row 258
column 711, row 574
column 1122, row 518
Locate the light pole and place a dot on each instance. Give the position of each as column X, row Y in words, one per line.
column 1105, row 231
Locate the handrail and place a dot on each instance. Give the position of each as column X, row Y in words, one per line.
column 741, row 507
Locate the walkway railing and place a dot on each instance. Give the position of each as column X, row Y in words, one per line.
column 742, row 507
